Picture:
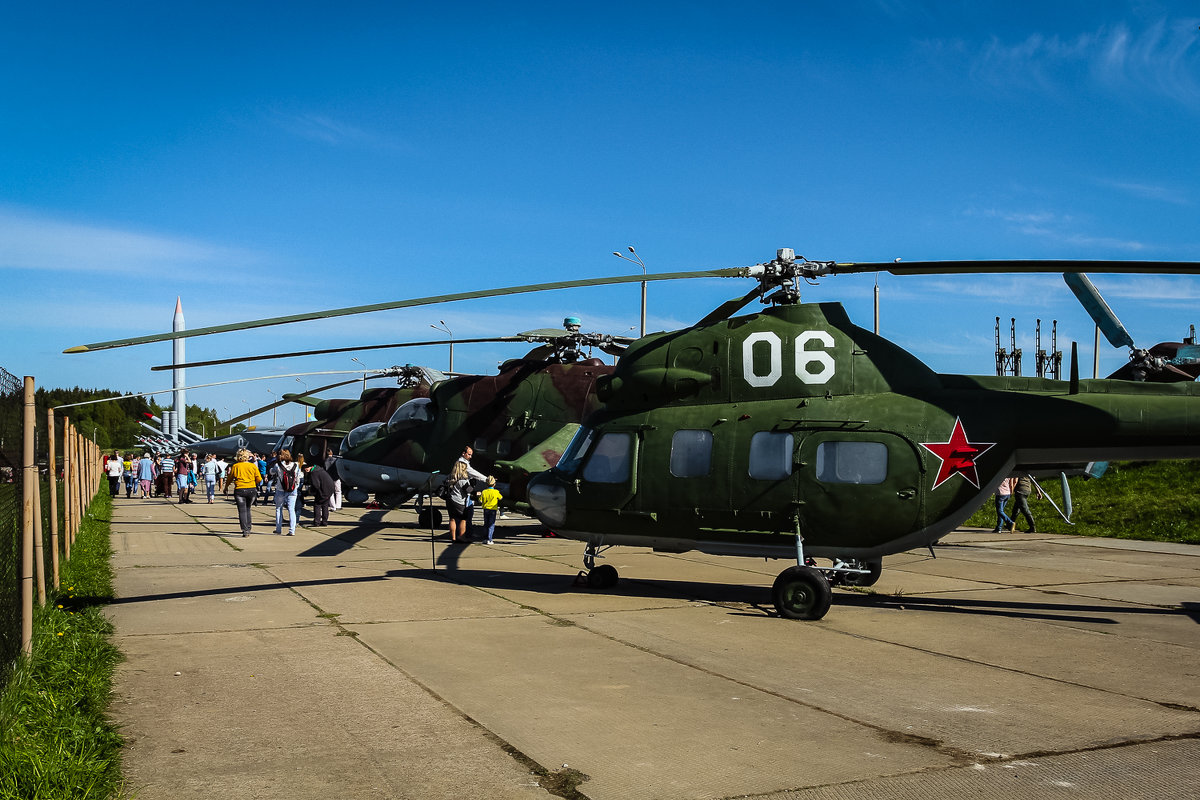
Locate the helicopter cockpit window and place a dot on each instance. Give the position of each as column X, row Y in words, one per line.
column 609, row 459
column 362, row 433
column 414, row 412
column 571, row 458
column 770, row 455
column 852, row 462
column 691, row 453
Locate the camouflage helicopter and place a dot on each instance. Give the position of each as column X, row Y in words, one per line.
column 792, row 433
column 333, row 418
column 517, row 421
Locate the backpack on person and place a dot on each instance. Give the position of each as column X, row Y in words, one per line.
column 287, row 479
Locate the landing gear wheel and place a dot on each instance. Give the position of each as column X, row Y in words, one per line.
column 429, row 518
column 801, row 593
column 603, row 577
column 876, row 569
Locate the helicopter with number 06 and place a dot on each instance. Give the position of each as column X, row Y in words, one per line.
column 792, row 433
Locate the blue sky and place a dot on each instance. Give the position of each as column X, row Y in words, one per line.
column 267, row 158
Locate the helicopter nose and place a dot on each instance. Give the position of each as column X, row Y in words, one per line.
column 548, row 498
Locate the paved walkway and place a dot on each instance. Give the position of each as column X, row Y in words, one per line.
column 338, row 663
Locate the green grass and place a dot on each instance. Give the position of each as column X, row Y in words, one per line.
column 55, row 741
column 1133, row 500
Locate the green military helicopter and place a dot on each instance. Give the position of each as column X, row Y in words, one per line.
column 792, row 433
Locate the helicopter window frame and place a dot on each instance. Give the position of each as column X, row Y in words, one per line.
column 414, row 412
column 770, row 457
column 362, row 433
column 852, row 462
column 691, row 452
column 576, row 451
column 610, row 459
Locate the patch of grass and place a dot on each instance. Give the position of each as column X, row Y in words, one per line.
column 55, row 741
column 1154, row 501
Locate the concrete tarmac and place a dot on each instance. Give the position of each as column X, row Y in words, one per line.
column 360, row 660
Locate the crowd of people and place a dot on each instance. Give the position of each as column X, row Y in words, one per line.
column 253, row 477
column 256, row 478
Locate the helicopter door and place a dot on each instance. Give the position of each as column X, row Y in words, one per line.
column 857, row 489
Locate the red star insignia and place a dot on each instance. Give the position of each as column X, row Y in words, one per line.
column 958, row 456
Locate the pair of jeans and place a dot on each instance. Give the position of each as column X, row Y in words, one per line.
column 210, row 486
column 243, row 498
column 489, row 522
column 288, row 498
column 1003, row 521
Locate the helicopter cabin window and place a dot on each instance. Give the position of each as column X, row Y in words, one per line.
column 852, row 462
column 609, row 459
column 362, row 433
column 581, row 442
column 691, row 453
column 503, row 448
column 414, row 412
column 770, row 455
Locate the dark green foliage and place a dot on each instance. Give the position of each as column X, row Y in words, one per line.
column 55, row 741
column 1134, row 500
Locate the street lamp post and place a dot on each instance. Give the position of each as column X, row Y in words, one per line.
column 249, row 420
column 637, row 260
column 273, row 407
column 305, row 385
column 443, row 327
column 227, row 417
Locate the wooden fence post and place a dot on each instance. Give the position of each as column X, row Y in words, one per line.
column 53, row 498
column 68, row 498
column 29, row 485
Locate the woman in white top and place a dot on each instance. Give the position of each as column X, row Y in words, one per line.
column 287, row 486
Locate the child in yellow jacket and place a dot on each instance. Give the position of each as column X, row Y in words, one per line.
column 490, row 499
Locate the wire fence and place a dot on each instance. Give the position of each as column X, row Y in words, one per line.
column 12, row 508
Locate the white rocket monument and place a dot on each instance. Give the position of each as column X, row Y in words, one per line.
column 179, row 400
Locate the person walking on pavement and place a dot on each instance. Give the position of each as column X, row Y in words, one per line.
column 1021, row 494
column 246, row 479
column 211, row 472
column 166, row 477
column 1003, row 493
column 146, row 473
column 322, row 485
column 129, row 466
column 115, row 469
column 183, row 471
column 286, row 475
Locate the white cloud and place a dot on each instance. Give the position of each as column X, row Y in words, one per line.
column 1161, row 58
column 33, row 242
column 1148, row 191
column 1056, row 228
column 334, row 132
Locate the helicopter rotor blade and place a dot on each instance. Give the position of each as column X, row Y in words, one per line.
column 289, row 398
column 802, row 268
column 328, row 350
column 1089, row 297
column 730, row 307
column 420, row 301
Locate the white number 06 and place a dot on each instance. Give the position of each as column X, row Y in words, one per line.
column 812, row 366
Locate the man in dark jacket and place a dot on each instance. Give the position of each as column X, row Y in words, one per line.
column 321, row 486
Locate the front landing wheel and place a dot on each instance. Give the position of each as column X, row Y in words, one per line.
column 801, row 593
column 602, row 577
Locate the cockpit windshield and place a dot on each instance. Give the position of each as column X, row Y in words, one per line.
column 576, row 450
column 362, row 433
column 414, row 412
